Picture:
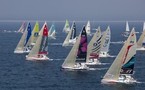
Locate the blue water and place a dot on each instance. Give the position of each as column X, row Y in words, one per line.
column 16, row 73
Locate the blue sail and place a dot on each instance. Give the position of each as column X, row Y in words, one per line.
column 29, row 30
column 82, row 50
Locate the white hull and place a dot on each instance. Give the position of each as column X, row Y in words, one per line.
column 72, row 41
column 127, row 80
column 93, row 62
column 76, row 67
column 37, row 58
column 142, row 48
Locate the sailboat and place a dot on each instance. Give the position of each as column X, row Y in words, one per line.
column 126, row 33
column 52, row 32
column 88, row 28
column 21, row 47
column 105, row 44
column 121, row 70
column 66, row 28
column 141, row 41
column 22, row 28
column 76, row 58
column 40, row 50
column 71, row 37
column 94, row 48
column 31, row 42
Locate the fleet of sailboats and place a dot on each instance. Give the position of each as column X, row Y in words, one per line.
column 82, row 55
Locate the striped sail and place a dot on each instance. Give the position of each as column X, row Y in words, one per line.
column 94, row 46
column 125, row 55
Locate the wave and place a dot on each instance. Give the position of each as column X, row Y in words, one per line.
column 54, row 43
column 93, row 69
column 118, row 42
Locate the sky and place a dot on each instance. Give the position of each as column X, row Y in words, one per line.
column 57, row 10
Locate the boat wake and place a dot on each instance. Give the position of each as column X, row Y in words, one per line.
column 111, row 56
column 54, row 43
column 56, row 59
column 119, row 42
column 93, row 69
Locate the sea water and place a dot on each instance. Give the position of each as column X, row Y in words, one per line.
column 16, row 73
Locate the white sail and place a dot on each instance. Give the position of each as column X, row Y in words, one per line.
column 22, row 28
column 88, row 28
column 35, row 52
column 52, row 32
column 126, row 53
column 94, row 48
column 20, row 46
column 105, row 44
column 127, row 27
column 66, row 28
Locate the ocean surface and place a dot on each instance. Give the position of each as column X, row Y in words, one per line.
column 16, row 73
